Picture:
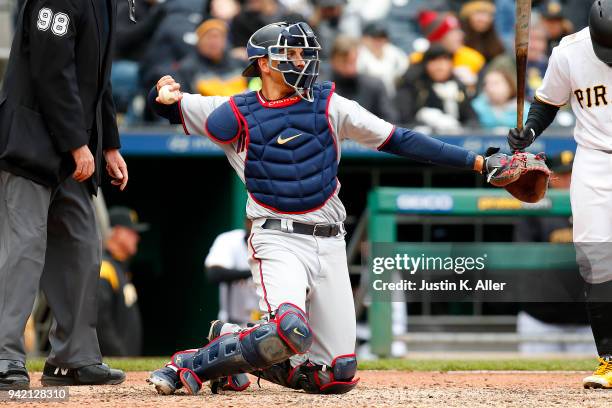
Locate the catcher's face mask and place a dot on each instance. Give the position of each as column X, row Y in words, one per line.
column 300, row 70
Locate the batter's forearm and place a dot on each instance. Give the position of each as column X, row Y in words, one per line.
column 541, row 115
column 170, row 112
column 417, row 146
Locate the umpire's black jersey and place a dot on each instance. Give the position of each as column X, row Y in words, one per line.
column 56, row 94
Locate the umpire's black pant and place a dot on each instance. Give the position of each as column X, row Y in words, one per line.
column 49, row 237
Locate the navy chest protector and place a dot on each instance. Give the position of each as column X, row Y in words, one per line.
column 292, row 159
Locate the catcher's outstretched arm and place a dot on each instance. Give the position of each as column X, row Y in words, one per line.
column 420, row 147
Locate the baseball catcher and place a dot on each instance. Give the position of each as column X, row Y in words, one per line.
column 285, row 144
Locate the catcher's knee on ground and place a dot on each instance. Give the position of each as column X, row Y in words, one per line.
column 337, row 378
column 256, row 348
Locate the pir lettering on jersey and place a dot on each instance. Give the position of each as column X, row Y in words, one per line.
column 589, row 97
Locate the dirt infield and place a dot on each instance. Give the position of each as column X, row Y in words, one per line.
column 377, row 389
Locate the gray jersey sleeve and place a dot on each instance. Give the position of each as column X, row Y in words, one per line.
column 349, row 120
column 195, row 109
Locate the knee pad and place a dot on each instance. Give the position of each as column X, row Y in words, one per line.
column 252, row 349
column 292, row 327
column 315, row 379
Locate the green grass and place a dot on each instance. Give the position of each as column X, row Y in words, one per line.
column 527, row 364
column 126, row 364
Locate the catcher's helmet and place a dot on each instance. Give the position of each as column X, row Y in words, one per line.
column 273, row 41
column 600, row 26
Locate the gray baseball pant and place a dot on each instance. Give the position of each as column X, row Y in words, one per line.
column 49, row 237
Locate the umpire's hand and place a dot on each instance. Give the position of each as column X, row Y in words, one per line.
column 84, row 162
column 116, row 168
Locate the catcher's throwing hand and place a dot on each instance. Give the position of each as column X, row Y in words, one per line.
column 524, row 175
column 171, row 92
column 521, row 139
column 116, row 168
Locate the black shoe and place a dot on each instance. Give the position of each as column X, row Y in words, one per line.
column 13, row 375
column 98, row 374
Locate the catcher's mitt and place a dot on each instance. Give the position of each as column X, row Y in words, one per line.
column 524, row 175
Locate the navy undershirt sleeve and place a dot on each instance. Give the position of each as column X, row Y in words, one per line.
column 170, row 112
column 419, row 147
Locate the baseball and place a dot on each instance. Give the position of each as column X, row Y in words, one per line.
column 166, row 96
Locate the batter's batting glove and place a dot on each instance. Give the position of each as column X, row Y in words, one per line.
column 521, row 139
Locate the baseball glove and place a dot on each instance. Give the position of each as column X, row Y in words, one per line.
column 524, row 175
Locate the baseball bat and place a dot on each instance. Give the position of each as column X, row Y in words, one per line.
column 523, row 16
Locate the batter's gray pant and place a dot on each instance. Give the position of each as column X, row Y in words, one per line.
column 49, row 237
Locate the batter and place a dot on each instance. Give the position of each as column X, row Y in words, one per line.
column 580, row 73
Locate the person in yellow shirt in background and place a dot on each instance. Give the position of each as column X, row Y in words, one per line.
column 444, row 29
column 119, row 321
column 210, row 69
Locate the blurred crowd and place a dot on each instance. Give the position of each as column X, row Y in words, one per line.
column 444, row 65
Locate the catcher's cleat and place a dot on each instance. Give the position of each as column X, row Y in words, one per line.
column 166, row 380
column 602, row 377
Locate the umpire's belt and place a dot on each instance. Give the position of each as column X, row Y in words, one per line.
column 318, row 230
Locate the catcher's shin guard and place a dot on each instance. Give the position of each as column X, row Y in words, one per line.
column 315, row 379
column 253, row 349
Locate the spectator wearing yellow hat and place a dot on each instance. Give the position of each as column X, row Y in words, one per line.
column 209, row 69
column 477, row 19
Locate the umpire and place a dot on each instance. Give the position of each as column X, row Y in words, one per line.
column 57, row 121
